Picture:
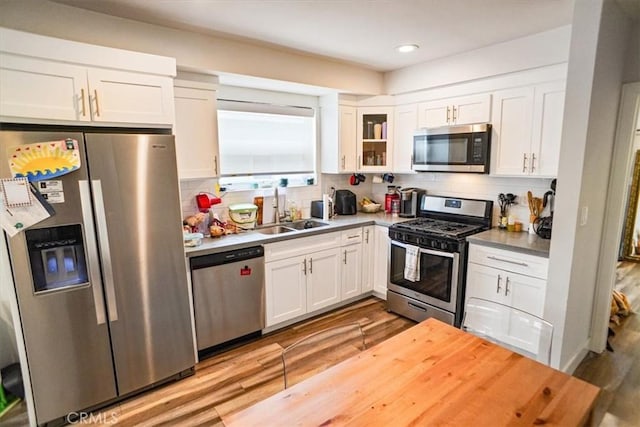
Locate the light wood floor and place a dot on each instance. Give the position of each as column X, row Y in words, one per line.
column 233, row 380
column 230, row 381
column 617, row 373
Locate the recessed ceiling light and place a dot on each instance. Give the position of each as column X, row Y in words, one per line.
column 407, row 48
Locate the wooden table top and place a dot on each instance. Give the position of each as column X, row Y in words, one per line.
column 430, row 374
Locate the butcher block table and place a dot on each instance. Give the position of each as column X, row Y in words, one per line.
column 431, row 374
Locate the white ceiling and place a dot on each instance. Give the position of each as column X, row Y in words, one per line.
column 363, row 32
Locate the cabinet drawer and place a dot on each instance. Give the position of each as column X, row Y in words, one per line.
column 349, row 237
column 506, row 260
column 294, row 247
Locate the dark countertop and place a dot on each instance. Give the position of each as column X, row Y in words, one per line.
column 242, row 240
column 514, row 241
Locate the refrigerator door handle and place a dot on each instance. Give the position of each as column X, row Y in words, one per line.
column 103, row 241
column 92, row 252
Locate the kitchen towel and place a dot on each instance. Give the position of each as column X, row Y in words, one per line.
column 412, row 264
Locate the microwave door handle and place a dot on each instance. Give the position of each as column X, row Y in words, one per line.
column 103, row 241
column 92, row 252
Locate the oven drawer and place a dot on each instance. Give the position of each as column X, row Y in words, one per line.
column 506, row 260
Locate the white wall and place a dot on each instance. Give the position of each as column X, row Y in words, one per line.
column 599, row 38
column 191, row 50
column 546, row 48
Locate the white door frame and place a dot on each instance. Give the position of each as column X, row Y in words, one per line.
column 617, row 197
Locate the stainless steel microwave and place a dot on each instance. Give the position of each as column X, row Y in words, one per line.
column 463, row 148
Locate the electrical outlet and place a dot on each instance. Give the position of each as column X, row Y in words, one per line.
column 584, row 215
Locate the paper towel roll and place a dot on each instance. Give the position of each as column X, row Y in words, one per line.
column 325, row 207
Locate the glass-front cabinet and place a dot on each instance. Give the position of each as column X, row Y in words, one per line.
column 375, row 130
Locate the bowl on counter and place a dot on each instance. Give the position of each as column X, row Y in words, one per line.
column 371, row 207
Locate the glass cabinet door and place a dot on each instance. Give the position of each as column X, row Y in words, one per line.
column 374, row 139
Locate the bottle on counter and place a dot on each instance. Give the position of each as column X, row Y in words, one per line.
column 392, row 194
column 259, row 202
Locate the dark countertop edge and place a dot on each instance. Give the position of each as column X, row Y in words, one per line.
column 253, row 238
column 540, row 249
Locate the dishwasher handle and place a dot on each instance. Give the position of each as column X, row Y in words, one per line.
column 220, row 258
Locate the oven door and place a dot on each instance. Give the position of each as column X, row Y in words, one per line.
column 438, row 279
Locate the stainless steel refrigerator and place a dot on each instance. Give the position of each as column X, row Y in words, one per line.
column 102, row 284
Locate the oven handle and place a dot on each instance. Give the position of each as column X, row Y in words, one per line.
column 426, row 251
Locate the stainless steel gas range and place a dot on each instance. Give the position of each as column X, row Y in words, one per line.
column 429, row 258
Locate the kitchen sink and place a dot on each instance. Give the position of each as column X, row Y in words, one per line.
column 275, row 229
column 287, row 227
column 305, row 224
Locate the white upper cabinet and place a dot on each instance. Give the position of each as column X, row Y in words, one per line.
column 404, row 126
column 548, row 112
column 374, row 139
column 53, row 81
column 455, row 111
column 337, row 135
column 196, row 130
column 527, row 127
column 126, row 97
column 40, row 89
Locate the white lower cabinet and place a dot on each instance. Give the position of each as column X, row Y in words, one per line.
column 514, row 279
column 308, row 274
column 368, row 257
column 381, row 261
column 351, row 267
column 286, row 289
column 323, row 279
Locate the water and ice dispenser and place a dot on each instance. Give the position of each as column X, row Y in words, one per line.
column 57, row 257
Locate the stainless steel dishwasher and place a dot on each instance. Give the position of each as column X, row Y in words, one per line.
column 228, row 295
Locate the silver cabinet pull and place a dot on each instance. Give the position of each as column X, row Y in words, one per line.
column 304, row 268
column 310, row 265
column 84, row 110
column 359, row 162
column 498, row 286
column 447, row 114
column 344, row 259
column 353, row 236
column 454, row 114
column 495, row 258
column 92, row 252
column 533, row 162
column 95, row 93
column 215, row 165
column 524, row 162
column 366, row 236
column 343, row 162
column 103, row 241
column 506, row 287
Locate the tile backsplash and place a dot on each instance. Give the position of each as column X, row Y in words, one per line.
column 457, row 185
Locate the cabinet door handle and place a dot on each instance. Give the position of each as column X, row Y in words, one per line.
column 95, row 93
column 310, row 265
column 84, row 110
column 359, row 160
column 215, row 165
column 343, row 162
column 495, row 258
column 344, row 259
column 454, row 114
column 506, row 287
column 533, row 162
column 498, row 286
column 366, row 236
column 448, row 114
column 524, row 162
column 304, row 266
